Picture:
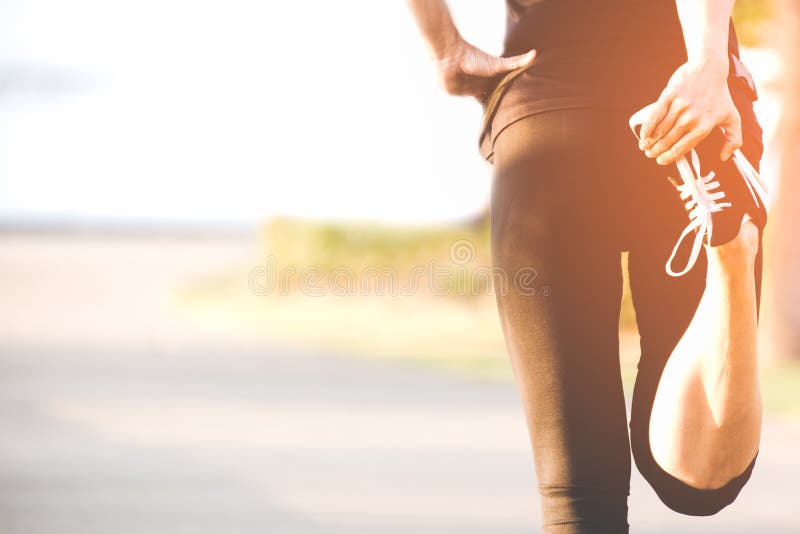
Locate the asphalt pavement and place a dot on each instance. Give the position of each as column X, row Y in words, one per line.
column 110, row 424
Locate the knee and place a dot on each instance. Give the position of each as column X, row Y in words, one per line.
column 697, row 496
column 711, row 471
column 695, row 501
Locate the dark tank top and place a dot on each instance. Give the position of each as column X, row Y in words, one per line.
column 609, row 54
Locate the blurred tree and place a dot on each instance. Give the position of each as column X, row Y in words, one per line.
column 784, row 245
column 750, row 17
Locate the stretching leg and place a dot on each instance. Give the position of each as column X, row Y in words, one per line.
column 696, row 416
column 705, row 426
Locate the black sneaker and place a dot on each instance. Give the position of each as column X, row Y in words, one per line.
column 718, row 194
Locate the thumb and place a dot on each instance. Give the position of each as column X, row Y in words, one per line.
column 514, row 62
column 732, row 128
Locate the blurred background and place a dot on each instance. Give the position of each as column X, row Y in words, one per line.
column 190, row 193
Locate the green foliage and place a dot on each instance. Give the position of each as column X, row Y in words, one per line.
column 780, row 388
column 327, row 246
column 330, row 246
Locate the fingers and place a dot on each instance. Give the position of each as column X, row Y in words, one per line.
column 506, row 64
column 686, row 141
column 481, row 79
column 693, row 103
column 666, row 132
column 685, row 125
column 667, row 141
column 659, row 112
column 688, row 131
column 733, row 136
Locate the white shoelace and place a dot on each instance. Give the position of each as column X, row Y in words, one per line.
column 753, row 180
column 703, row 196
column 704, row 199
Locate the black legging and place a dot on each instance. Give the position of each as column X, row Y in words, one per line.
column 571, row 191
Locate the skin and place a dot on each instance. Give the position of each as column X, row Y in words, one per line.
column 696, row 98
column 706, row 422
column 462, row 69
column 705, row 426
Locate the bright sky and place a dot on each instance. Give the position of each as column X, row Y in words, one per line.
column 228, row 111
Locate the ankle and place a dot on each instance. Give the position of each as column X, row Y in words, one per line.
column 739, row 251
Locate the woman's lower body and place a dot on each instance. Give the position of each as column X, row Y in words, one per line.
column 571, row 192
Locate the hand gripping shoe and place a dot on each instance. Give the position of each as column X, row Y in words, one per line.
column 718, row 194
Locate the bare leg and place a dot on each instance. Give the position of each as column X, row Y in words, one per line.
column 705, row 425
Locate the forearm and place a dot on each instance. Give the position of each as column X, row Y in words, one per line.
column 705, row 31
column 436, row 24
column 462, row 68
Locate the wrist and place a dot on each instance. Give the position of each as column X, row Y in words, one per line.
column 713, row 63
column 447, row 44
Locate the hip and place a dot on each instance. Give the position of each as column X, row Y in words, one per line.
column 548, row 85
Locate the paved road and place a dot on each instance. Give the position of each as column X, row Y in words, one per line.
column 109, row 430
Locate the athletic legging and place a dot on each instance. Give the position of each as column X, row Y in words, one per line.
column 571, row 191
